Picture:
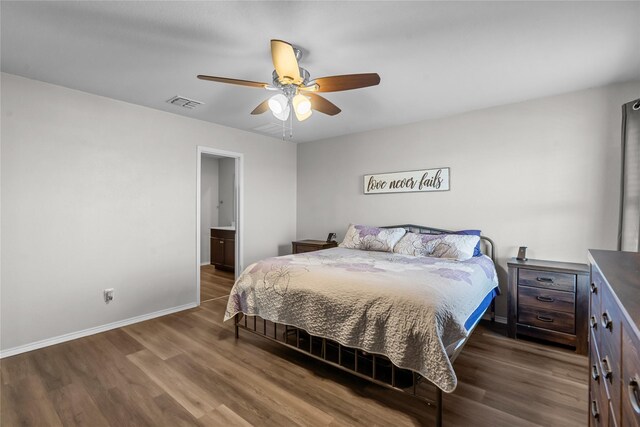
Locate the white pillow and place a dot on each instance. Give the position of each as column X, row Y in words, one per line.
column 452, row 246
column 372, row 238
column 455, row 246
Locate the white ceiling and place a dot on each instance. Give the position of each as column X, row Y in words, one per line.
column 434, row 58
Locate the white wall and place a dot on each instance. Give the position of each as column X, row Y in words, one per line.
column 225, row 194
column 543, row 174
column 208, row 204
column 98, row 193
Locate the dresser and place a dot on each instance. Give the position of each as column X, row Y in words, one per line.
column 223, row 248
column 549, row 300
column 308, row 245
column 614, row 351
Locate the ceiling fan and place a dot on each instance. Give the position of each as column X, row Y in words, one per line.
column 297, row 91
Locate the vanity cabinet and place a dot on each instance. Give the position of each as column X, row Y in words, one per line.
column 223, row 249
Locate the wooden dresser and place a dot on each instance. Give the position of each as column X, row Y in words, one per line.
column 614, row 357
column 301, row 246
column 549, row 300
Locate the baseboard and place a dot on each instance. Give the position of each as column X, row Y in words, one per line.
column 91, row 331
column 205, row 263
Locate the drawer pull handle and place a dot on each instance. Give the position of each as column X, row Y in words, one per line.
column 606, row 321
column 544, row 279
column 594, row 323
column 633, row 394
column 606, row 366
column 594, row 288
column 594, row 372
column 544, row 318
column 545, row 299
column 594, row 410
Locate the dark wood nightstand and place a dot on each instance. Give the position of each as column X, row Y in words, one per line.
column 549, row 300
column 301, row 246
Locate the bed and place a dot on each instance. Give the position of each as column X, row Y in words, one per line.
column 391, row 318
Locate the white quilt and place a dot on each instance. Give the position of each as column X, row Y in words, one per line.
column 405, row 307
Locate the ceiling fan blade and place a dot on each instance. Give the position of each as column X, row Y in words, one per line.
column 347, row 82
column 321, row 104
column 233, row 81
column 262, row 108
column 285, row 62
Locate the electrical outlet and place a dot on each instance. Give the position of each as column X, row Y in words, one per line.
column 108, row 295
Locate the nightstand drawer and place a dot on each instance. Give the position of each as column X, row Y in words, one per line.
column 547, row 319
column 300, row 249
column 547, row 279
column 546, row 299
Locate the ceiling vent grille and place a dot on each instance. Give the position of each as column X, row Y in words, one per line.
column 272, row 128
column 183, row 102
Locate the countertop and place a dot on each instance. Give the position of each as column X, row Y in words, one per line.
column 225, row 227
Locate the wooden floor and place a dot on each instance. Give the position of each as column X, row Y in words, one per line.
column 214, row 283
column 187, row 369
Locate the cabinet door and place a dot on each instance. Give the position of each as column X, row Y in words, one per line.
column 217, row 251
column 230, row 253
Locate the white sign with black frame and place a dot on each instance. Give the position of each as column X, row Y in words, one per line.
column 424, row 180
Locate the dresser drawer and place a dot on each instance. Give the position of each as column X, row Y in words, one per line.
column 595, row 371
column 596, row 287
column 547, row 299
column 300, row 249
column 609, row 344
column 630, row 381
column 547, row 280
column 598, row 412
column 547, row 319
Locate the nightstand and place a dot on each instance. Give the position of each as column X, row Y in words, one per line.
column 549, row 300
column 301, row 246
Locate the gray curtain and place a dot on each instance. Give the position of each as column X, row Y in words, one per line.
column 629, row 234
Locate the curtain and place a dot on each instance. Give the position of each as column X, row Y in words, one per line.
column 629, row 232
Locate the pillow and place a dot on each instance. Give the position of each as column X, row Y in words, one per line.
column 372, row 238
column 477, row 251
column 452, row 246
column 416, row 244
column 455, row 246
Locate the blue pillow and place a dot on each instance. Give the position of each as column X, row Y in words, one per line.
column 476, row 251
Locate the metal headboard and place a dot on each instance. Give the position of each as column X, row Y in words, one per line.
column 488, row 247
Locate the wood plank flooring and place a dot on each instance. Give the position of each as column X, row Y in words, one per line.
column 187, row 369
column 214, row 283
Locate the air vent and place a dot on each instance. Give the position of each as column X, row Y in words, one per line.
column 181, row 101
column 272, row 128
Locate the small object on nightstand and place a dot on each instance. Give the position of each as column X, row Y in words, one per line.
column 331, row 237
column 549, row 300
column 522, row 253
column 301, row 246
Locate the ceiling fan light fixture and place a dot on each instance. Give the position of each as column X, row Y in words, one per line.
column 301, row 104
column 278, row 104
column 302, row 117
column 284, row 115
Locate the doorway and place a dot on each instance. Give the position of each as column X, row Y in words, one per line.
column 219, row 222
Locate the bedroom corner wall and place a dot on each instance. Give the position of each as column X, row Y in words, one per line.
column 99, row 193
column 543, row 173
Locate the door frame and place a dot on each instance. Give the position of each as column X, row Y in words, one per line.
column 238, row 192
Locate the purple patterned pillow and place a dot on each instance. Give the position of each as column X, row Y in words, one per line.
column 372, row 238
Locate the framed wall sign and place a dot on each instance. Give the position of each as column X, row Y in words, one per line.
column 406, row 182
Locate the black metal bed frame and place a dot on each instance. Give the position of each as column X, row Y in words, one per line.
column 375, row 368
